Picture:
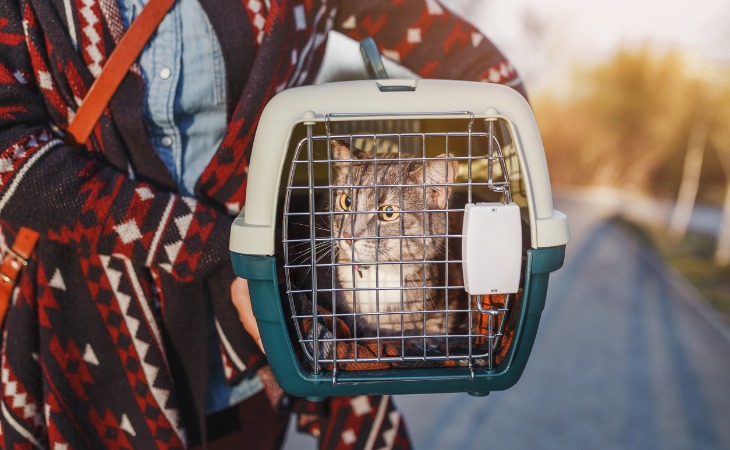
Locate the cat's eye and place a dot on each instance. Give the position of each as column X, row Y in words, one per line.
column 389, row 213
column 345, row 202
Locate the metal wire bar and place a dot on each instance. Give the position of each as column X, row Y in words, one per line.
column 391, row 149
column 312, row 203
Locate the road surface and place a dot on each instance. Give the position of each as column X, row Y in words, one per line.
column 627, row 357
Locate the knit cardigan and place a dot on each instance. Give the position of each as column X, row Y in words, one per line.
column 104, row 343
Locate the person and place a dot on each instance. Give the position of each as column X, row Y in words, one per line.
column 122, row 332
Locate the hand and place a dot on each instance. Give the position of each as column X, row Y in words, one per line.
column 242, row 301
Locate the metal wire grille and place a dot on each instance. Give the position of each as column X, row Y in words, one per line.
column 372, row 237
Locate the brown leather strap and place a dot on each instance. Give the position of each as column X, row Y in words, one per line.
column 116, row 69
column 14, row 259
column 11, row 264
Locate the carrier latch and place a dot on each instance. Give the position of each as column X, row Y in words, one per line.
column 491, row 248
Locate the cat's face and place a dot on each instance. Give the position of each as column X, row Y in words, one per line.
column 389, row 209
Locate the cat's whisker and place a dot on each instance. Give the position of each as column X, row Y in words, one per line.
column 390, row 256
column 306, row 259
column 299, row 257
column 307, row 256
column 323, row 227
column 306, row 274
column 307, row 248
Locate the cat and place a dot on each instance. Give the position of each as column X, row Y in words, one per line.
column 389, row 225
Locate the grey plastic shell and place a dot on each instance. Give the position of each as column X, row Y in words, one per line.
column 253, row 231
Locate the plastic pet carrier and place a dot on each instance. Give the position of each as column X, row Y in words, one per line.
column 398, row 236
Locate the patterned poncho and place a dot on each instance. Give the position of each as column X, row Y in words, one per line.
column 104, row 343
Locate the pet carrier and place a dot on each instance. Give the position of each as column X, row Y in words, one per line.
column 398, row 236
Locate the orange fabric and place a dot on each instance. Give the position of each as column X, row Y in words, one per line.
column 387, row 348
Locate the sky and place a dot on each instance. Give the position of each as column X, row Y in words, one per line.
column 586, row 31
column 569, row 32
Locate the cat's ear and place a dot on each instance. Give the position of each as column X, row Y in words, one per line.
column 340, row 150
column 441, row 172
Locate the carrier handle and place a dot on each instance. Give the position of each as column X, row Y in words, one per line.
column 373, row 61
column 376, row 69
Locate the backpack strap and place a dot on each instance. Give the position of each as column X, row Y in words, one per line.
column 15, row 258
column 115, row 69
column 12, row 262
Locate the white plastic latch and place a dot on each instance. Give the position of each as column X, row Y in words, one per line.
column 491, row 248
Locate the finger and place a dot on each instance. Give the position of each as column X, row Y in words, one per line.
column 242, row 301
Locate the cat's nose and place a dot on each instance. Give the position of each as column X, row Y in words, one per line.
column 348, row 238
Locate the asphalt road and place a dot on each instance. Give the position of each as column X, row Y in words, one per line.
column 627, row 357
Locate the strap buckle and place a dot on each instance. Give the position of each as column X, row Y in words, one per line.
column 17, row 261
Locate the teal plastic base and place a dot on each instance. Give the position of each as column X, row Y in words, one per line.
column 479, row 393
column 300, row 381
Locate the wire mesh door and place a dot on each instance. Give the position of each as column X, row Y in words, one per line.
column 372, row 224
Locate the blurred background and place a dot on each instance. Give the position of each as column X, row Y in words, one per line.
column 632, row 98
column 633, row 103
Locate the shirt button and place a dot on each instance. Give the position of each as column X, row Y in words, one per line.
column 167, row 141
column 165, row 73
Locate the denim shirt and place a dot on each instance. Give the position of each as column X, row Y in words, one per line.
column 185, row 116
column 186, row 92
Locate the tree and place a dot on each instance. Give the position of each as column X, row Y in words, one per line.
column 690, row 180
column 626, row 122
column 722, row 252
column 721, row 143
